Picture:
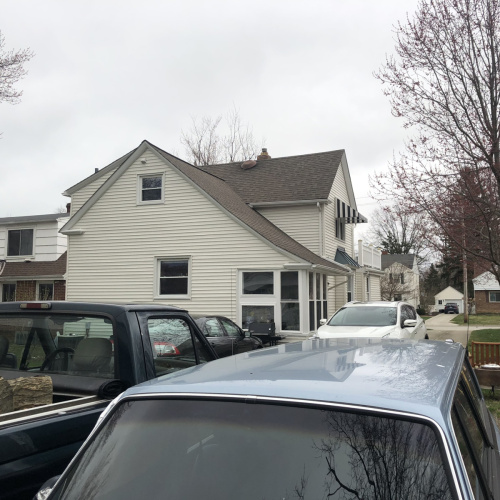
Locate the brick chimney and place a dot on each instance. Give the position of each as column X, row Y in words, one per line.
column 264, row 155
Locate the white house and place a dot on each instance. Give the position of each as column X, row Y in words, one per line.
column 402, row 279
column 449, row 294
column 32, row 257
column 267, row 240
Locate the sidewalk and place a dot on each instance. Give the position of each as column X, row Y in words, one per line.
column 440, row 328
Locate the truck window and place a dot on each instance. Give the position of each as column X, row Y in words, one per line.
column 174, row 345
column 58, row 343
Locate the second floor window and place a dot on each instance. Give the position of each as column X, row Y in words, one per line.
column 151, row 188
column 20, row 242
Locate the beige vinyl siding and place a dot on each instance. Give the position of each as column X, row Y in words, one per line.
column 331, row 242
column 3, row 243
column 82, row 195
column 375, row 287
column 302, row 223
column 115, row 258
column 337, row 293
column 49, row 244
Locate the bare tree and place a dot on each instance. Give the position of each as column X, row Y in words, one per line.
column 11, row 71
column 206, row 145
column 444, row 83
column 399, row 232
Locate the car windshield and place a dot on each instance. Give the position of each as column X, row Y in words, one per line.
column 364, row 316
column 187, row 449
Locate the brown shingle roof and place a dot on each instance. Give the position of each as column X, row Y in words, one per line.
column 222, row 193
column 292, row 178
column 35, row 269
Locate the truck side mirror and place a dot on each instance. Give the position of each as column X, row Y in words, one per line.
column 322, row 322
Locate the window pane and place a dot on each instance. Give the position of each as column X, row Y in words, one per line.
column 174, row 277
column 173, row 286
column 172, row 344
column 290, row 316
column 9, row 292
column 312, row 323
column 45, row 291
column 290, row 285
column 311, row 286
column 151, row 188
column 257, row 314
column 258, row 283
column 318, row 286
column 231, row 329
column 221, row 447
column 85, row 347
column 26, row 241
column 14, row 242
column 213, row 328
column 170, row 268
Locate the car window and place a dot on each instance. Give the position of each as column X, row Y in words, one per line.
column 364, row 316
column 180, row 449
column 174, row 344
column 470, row 440
column 404, row 315
column 67, row 344
column 412, row 314
column 231, row 329
column 213, row 328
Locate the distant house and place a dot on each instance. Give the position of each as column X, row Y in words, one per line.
column 270, row 240
column 449, row 294
column 401, row 280
column 486, row 293
column 33, row 257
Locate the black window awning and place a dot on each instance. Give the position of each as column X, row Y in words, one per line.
column 348, row 215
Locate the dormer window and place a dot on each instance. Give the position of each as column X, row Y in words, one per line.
column 20, row 242
column 150, row 189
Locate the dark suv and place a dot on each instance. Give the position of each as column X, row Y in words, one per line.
column 451, row 308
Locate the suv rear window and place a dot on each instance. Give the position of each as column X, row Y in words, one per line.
column 180, row 449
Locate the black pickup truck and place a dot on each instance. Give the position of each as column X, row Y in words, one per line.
column 91, row 352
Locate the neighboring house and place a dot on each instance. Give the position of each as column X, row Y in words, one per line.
column 449, row 294
column 486, row 293
column 33, row 257
column 268, row 240
column 401, row 280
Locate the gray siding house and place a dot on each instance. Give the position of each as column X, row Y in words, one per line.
column 264, row 241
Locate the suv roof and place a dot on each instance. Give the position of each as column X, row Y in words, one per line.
column 380, row 373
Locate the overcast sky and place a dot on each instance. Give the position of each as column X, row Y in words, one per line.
column 107, row 74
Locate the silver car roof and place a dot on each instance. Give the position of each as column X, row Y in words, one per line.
column 404, row 375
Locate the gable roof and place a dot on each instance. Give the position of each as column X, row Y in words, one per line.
column 55, row 269
column 406, row 259
column 293, row 178
column 449, row 293
column 218, row 191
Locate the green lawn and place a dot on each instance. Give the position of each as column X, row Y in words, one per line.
column 486, row 335
column 478, row 319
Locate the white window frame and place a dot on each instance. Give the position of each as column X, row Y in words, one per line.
column 21, row 256
column 139, row 189
column 38, row 283
column 273, row 300
column 158, row 261
column 489, row 296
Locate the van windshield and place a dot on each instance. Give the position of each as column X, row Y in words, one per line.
column 187, row 449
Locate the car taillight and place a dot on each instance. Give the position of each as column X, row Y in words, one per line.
column 35, row 305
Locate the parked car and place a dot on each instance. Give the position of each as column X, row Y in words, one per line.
column 451, row 308
column 336, row 418
column 374, row 319
column 225, row 336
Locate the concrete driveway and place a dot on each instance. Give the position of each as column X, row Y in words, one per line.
column 440, row 328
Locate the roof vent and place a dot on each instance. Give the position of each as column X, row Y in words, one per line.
column 264, row 155
column 248, row 164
